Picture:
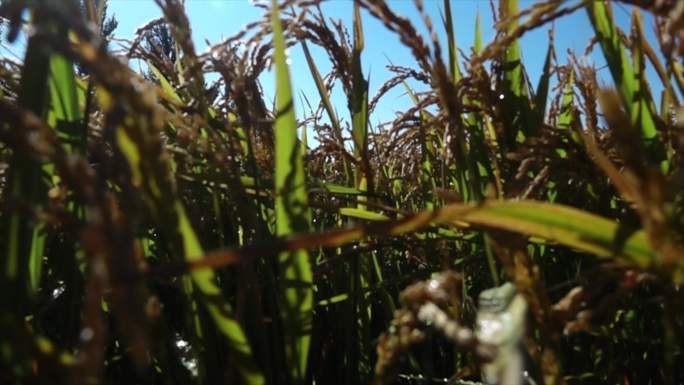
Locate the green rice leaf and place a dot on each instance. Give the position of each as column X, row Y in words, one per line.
column 626, row 76
column 325, row 98
column 566, row 116
column 291, row 216
column 568, row 226
column 362, row 214
column 63, row 90
column 361, row 268
column 451, row 40
column 161, row 195
column 23, row 240
column 168, row 89
column 358, row 101
column 339, row 189
column 320, row 87
column 427, row 147
column 540, row 99
column 516, row 103
column 205, row 281
column 550, row 222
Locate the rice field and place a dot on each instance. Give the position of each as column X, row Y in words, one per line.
column 170, row 224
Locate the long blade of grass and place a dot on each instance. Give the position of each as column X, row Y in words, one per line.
column 566, row 116
column 480, row 167
column 373, row 216
column 320, row 87
column 291, row 215
column 358, row 213
column 542, row 94
column 515, row 97
column 167, row 88
column 557, row 223
column 218, row 309
column 427, row 148
column 66, row 117
column 339, row 189
column 451, row 40
column 63, row 91
column 647, row 49
column 626, row 76
column 170, row 207
column 359, row 103
column 325, row 99
column 361, row 268
column 24, row 240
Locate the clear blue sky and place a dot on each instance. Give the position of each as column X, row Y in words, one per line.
column 213, row 19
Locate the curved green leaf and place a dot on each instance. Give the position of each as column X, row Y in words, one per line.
column 556, row 223
column 567, row 226
column 291, row 215
column 169, row 92
column 635, row 97
column 362, row 214
column 516, row 103
column 205, row 281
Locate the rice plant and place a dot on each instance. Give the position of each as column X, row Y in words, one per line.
column 169, row 224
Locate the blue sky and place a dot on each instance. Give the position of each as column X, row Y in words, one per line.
column 214, row 19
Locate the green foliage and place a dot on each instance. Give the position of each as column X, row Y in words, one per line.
column 627, row 76
column 158, row 227
column 290, row 208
